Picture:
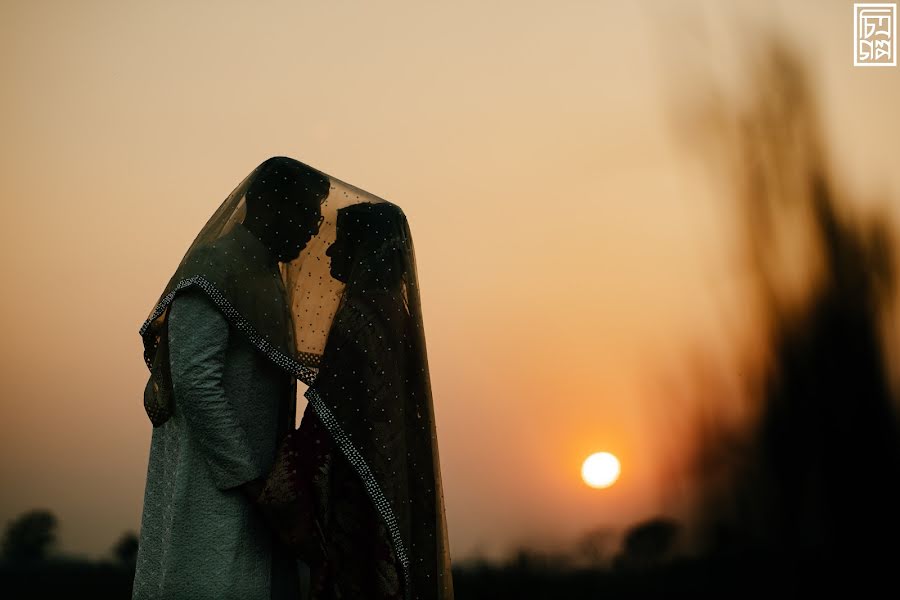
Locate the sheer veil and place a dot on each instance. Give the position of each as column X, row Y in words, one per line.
column 340, row 310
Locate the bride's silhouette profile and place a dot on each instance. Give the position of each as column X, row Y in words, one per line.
column 368, row 523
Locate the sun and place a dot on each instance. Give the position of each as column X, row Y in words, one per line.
column 600, row 470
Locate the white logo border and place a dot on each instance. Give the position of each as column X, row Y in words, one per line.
column 856, row 7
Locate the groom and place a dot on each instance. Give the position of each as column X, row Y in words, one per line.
column 201, row 534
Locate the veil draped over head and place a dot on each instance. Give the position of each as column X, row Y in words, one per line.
column 331, row 296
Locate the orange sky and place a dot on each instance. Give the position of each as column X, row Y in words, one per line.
column 568, row 250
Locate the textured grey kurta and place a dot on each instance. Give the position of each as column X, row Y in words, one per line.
column 200, row 536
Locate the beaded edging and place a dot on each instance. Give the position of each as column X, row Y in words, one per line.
column 305, row 374
column 359, row 463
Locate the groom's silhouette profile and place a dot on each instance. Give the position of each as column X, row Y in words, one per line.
column 201, row 535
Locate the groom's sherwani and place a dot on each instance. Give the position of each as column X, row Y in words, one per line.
column 200, row 535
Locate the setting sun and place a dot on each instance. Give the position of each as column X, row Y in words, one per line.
column 600, row 470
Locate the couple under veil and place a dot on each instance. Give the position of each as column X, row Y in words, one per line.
column 296, row 276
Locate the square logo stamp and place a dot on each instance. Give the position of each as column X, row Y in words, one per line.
column 875, row 34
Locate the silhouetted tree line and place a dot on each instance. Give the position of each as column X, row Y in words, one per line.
column 31, row 567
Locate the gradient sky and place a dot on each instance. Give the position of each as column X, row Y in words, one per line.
column 569, row 250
